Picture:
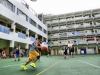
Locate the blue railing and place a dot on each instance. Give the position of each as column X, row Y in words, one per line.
column 32, row 39
column 21, row 35
column 4, row 29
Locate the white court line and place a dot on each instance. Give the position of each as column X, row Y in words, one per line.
column 94, row 58
column 10, row 65
column 89, row 63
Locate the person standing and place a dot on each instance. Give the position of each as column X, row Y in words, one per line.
column 49, row 52
column 17, row 52
column 65, row 52
column 72, row 51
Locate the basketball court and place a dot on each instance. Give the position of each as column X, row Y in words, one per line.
column 55, row 65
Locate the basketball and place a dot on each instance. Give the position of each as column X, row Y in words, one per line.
column 44, row 48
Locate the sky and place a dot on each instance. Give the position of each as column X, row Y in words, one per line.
column 56, row 7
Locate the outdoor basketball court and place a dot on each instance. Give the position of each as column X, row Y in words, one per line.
column 55, row 65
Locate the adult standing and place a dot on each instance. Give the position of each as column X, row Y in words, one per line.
column 18, row 52
column 65, row 52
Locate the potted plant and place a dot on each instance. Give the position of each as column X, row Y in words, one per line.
column 11, row 29
column 26, row 35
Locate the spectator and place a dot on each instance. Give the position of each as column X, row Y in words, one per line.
column 4, row 53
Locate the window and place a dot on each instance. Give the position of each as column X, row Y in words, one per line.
column 9, row 5
column 22, row 15
column 40, row 28
column 45, row 31
column 32, row 22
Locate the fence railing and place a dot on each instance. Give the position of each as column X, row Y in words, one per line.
column 29, row 8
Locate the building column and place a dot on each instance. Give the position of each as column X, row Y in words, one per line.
column 37, row 25
column 42, row 29
column 97, row 49
column 11, row 47
column 27, row 32
column 26, row 46
column 13, row 27
column 36, row 35
column 47, row 40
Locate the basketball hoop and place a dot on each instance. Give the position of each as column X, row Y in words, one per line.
column 34, row 0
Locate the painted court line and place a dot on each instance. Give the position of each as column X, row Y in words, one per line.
column 94, row 58
column 89, row 64
column 10, row 65
column 49, row 67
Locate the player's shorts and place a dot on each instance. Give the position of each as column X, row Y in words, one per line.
column 72, row 52
column 33, row 54
column 49, row 52
column 17, row 55
column 65, row 53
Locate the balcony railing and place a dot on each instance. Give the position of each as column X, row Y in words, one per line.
column 98, row 15
column 90, row 33
column 89, row 42
column 32, row 39
column 28, row 7
column 4, row 29
column 21, row 35
column 62, row 20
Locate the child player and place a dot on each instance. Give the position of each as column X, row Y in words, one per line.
column 33, row 54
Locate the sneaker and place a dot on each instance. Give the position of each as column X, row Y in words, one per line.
column 18, row 59
column 23, row 67
column 33, row 65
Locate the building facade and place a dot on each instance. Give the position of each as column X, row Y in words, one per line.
column 77, row 28
column 19, row 24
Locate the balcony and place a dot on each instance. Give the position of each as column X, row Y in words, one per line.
column 63, row 27
column 49, row 29
column 61, row 44
column 78, row 18
column 32, row 39
column 53, row 37
column 70, row 19
column 48, row 22
column 97, row 16
column 54, row 21
column 90, row 33
column 4, row 29
column 88, row 26
column 98, row 40
column 21, row 35
column 81, row 33
column 97, row 24
column 54, row 29
column 70, row 35
column 63, row 34
column 62, row 20
column 53, row 44
column 92, row 42
column 70, row 27
column 98, row 33
column 86, row 17
column 79, row 26
column 81, row 42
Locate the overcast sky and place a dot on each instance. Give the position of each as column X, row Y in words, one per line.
column 63, row 6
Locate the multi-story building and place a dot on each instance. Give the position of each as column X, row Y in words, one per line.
column 19, row 24
column 77, row 28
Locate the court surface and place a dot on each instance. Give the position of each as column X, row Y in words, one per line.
column 55, row 65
